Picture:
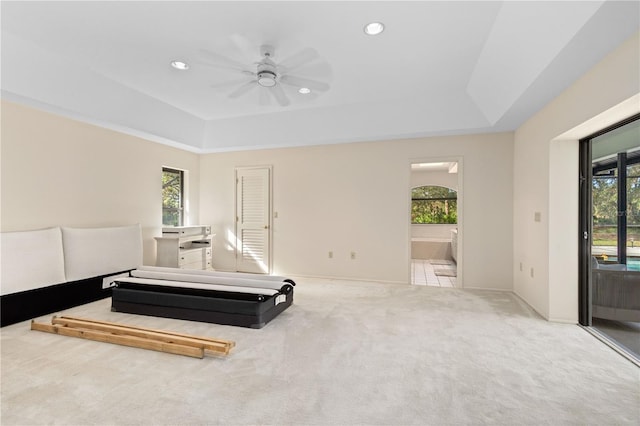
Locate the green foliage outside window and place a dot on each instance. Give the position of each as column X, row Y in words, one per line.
column 172, row 197
column 434, row 205
column 605, row 207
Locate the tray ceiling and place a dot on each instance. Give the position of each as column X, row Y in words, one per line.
column 438, row 68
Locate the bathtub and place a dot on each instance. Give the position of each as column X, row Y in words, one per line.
column 431, row 248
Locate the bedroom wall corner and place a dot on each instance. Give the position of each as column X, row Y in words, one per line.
column 57, row 171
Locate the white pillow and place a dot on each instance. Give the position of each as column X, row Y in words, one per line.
column 90, row 252
column 30, row 259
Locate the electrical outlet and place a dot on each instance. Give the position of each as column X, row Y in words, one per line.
column 520, row 266
column 353, row 255
column 330, row 255
column 531, row 272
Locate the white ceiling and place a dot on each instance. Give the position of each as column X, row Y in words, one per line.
column 447, row 67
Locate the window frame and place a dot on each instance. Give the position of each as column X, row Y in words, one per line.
column 180, row 208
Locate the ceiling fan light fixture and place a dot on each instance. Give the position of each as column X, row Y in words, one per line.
column 266, row 79
column 180, row 65
column 373, row 28
column 304, row 90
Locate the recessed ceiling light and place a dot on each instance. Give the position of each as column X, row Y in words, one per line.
column 304, row 90
column 374, row 28
column 179, row 65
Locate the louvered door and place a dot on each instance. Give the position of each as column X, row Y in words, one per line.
column 253, row 213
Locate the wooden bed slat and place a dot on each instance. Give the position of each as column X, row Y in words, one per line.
column 230, row 343
column 216, row 345
column 121, row 334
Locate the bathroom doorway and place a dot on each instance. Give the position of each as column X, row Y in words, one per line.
column 435, row 223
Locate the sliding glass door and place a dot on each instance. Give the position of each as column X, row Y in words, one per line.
column 610, row 213
column 610, row 236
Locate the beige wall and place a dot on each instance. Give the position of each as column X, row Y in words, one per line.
column 61, row 172
column 356, row 197
column 545, row 180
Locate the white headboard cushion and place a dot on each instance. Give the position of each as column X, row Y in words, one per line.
column 89, row 252
column 30, row 259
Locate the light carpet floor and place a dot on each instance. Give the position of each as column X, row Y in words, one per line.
column 346, row 353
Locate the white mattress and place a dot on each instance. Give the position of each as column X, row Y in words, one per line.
column 206, row 277
column 91, row 252
column 30, row 260
column 259, row 277
column 201, row 286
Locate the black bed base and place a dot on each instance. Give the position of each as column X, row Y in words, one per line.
column 218, row 307
column 24, row 305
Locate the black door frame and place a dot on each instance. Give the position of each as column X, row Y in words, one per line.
column 584, row 250
column 585, row 220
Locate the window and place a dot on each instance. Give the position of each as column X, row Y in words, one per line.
column 633, row 204
column 434, row 205
column 172, row 197
column 615, row 194
column 606, row 208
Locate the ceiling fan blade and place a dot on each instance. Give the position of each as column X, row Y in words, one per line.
column 221, row 61
column 263, row 96
column 299, row 59
column 227, row 84
column 244, row 46
column 243, row 89
column 279, row 94
column 320, row 70
column 304, row 82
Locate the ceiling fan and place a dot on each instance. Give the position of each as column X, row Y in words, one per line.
column 267, row 75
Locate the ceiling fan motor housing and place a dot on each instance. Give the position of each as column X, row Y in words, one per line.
column 267, row 78
column 266, row 73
